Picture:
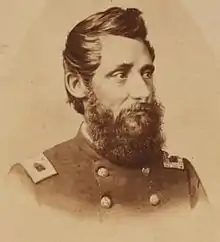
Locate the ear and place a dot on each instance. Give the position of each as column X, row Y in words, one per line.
column 75, row 85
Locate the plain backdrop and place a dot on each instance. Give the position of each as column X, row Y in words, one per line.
column 34, row 113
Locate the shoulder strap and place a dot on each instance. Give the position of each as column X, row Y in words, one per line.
column 173, row 162
column 39, row 168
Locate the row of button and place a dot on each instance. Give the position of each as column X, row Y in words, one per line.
column 103, row 172
column 106, row 201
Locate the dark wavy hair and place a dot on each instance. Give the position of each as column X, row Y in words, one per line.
column 82, row 53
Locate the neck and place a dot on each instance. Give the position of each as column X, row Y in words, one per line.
column 85, row 132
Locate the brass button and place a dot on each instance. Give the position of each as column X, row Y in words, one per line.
column 146, row 171
column 103, row 172
column 154, row 199
column 106, row 202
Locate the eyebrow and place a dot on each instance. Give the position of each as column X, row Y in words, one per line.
column 126, row 67
column 147, row 67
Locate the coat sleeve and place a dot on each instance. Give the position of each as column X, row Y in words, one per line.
column 18, row 208
column 197, row 191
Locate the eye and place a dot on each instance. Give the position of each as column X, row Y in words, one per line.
column 119, row 76
column 147, row 75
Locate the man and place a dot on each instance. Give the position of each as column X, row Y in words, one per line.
column 116, row 161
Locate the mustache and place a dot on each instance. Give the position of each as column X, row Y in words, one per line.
column 144, row 107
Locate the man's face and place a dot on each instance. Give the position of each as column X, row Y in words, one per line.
column 122, row 114
column 124, row 75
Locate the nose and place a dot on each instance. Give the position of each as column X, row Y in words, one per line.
column 138, row 89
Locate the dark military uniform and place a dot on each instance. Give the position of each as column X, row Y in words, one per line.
column 74, row 173
column 70, row 193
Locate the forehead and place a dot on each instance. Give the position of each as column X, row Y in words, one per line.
column 117, row 50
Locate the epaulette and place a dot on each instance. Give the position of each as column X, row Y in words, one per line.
column 174, row 162
column 39, row 168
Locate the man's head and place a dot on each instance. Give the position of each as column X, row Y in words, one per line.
column 109, row 69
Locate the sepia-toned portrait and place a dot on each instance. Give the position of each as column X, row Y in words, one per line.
column 113, row 118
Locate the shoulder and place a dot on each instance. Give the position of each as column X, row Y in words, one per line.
column 44, row 165
column 182, row 170
column 55, row 168
column 35, row 169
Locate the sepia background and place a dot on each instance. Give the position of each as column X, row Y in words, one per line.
column 34, row 113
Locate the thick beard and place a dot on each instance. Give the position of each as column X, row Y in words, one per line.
column 134, row 138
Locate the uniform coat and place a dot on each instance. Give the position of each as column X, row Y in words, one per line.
column 71, row 193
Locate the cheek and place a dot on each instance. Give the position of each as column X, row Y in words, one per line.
column 109, row 94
